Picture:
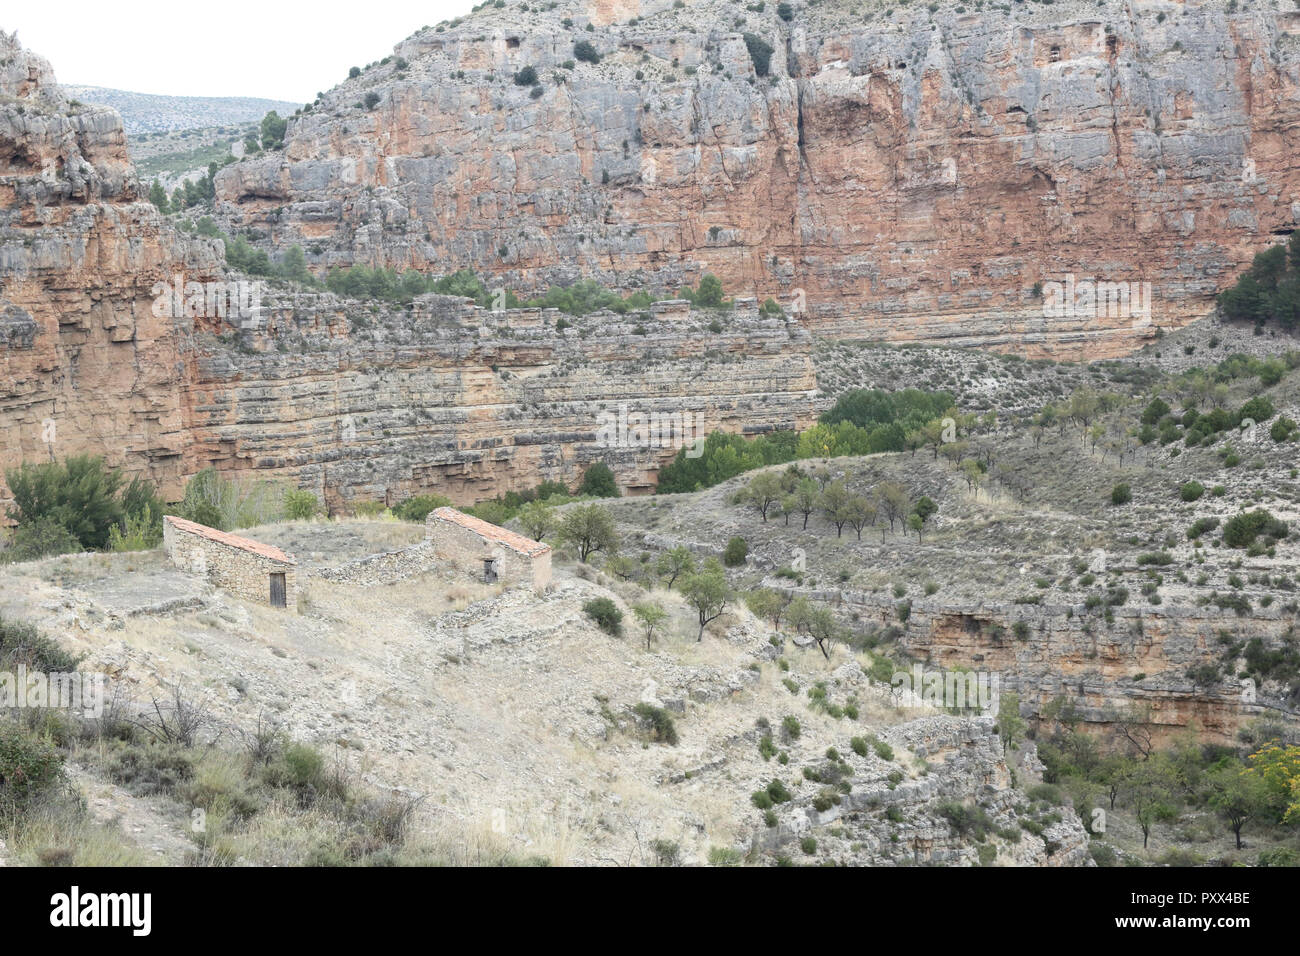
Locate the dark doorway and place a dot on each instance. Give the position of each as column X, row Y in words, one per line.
column 277, row 589
column 489, row 571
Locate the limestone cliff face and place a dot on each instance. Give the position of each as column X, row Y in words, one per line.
column 472, row 403
column 84, row 364
column 914, row 174
column 1137, row 667
column 346, row 398
column 968, row 765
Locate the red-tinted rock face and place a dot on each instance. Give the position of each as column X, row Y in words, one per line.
column 85, row 365
column 344, row 398
column 912, row 176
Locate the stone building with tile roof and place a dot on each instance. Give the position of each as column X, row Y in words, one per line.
column 251, row 569
column 489, row 552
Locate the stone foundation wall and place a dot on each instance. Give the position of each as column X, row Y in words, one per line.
column 386, row 568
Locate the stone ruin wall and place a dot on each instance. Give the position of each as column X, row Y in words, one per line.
column 388, row 567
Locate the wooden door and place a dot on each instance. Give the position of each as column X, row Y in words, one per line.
column 277, row 589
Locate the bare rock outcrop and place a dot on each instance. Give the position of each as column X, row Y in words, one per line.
column 903, row 174
column 347, row 398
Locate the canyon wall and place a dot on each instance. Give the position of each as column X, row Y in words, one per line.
column 900, row 173
column 471, row 403
column 85, row 365
column 1136, row 670
column 349, row 399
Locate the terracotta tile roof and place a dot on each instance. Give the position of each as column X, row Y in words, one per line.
column 230, row 540
column 513, row 541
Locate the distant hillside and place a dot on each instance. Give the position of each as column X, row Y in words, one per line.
column 151, row 113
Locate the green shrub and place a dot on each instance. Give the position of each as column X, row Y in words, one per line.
column 790, row 728
column 1155, row 412
column 79, row 493
column 1279, row 856
column 760, row 53
column 29, row 769
column 1258, row 409
column 418, row 507
column 1103, row 854
column 1191, row 490
column 150, row 767
column 1243, row 528
column 966, row 821
column 1159, row 558
column 667, row 852
column 824, row 800
column 41, row 538
column 141, row 532
column 1284, row 429
column 1121, row 494
column 736, row 552
column 1047, row 792
column 584, row 51
column 662, row 727
column 724, row 856
column 209, row 500
column 23, row 643
column 606, row 615
column 778, row 792
column 300, row 505
column 599, row 482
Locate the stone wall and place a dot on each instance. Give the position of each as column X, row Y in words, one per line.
column 385, row 568
column 227, row 564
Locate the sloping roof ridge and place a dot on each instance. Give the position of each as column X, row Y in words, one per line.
column 230, row 540
column 485, row 529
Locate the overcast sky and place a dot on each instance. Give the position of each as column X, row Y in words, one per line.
column 284, row 51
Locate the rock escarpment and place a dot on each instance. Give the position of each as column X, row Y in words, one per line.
column 1138, row 669
column 898, row 172
column 472, row 403
column 85, row 365
column 883, row 822
column 346, row 398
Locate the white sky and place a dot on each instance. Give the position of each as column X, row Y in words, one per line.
column 284, row 51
